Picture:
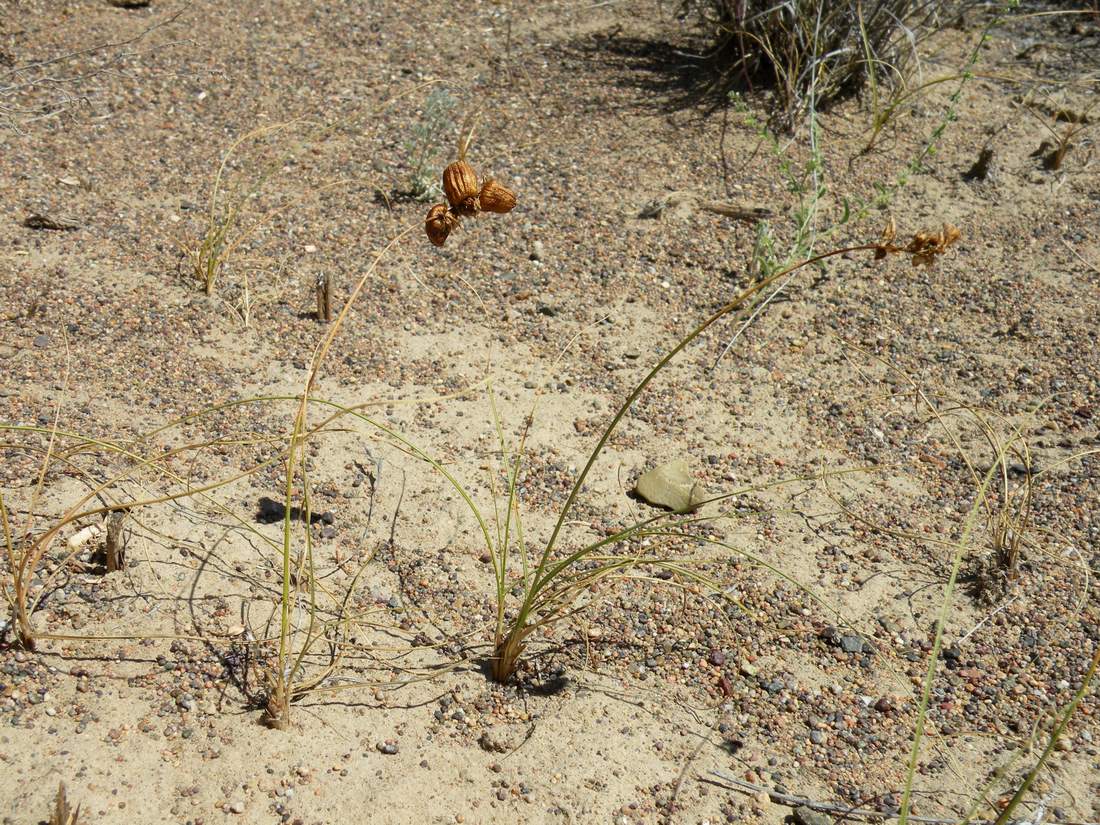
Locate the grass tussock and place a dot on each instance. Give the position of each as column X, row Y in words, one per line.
column 811, row 52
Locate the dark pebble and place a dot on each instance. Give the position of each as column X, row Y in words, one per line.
column 851, row 644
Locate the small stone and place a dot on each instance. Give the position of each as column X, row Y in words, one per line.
column 236, row 807
column 805, row 815
column 671, row 486
column 717, row 658
column 537, row 251
column 389, row 747
column 41, row 341
column 852, row 644
column 817, row 737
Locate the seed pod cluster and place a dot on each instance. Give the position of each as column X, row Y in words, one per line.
column 466, row 199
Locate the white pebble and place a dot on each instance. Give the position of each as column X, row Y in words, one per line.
column 82, row 536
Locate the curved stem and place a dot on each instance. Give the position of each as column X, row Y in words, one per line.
column 629, row 402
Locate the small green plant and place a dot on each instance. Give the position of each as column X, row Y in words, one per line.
column 286, row 679
column 210, row 254
column 425, row 144
column 228, row 224
column 1008, row 517
column 807, row 183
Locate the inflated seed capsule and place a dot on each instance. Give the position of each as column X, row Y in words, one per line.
column 460, row 185
column 438, row 224
column 497, row 198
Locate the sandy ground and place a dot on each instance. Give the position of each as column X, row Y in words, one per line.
column 856, row 414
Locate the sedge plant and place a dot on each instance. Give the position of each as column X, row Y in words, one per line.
column 551, row 582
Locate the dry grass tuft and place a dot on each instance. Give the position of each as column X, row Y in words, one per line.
column 812, row 52
column 63, row 813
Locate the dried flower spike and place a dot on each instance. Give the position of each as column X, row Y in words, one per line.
column 497, row 198
column 889, row 232
column 439, row 223
column 924, row 246
column 460, row 185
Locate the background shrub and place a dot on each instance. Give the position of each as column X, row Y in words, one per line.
column 813, row 52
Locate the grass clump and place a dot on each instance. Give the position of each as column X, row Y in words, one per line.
column 552, row 583
column 812, row 52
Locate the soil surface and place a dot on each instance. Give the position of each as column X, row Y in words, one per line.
column 847, row 420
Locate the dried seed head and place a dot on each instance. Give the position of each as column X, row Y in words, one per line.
column 924, row 247
column 439, row 224
column 890, row 231
column 460, row 184
column 497, row 198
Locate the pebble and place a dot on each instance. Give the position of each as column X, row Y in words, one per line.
column 852, row 644
column 389, row 747
column 498, row 739
column 805, row 815
column 537, row 251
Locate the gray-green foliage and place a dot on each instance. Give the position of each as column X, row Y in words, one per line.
column 425, row 142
